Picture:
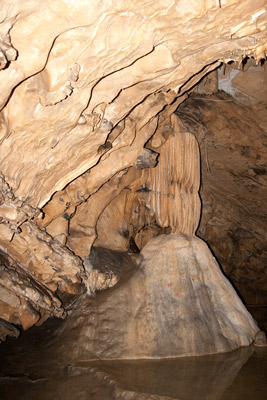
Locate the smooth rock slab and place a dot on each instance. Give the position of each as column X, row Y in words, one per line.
column 178, row 303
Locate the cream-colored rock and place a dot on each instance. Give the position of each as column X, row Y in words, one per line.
column 38, row 253
column 174, row 183
column 96, row 61
column 163, row 199
column 84, row 226
column 208, row 85
column 25, row 301
column 246, row 85
column 9, row 297
column 6, row 232
column 81, row 100
column 260, row 339
column 178, row 303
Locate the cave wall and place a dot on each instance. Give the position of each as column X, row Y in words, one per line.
column 84, row 87
column 231, row 130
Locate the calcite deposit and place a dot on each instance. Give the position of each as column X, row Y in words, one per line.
column 91, row 153
column 234, row 186
column 178, row 303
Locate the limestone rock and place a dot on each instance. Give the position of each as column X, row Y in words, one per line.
column 177, row 304
column 127, row 70
column 174, row 183
column 162, row 199
column 23, row 300
column 85, row 226
column 260, row 339
column 80, row 103
column 105, row 268
column 7, row 329
column 247, row 85
column 232, row 139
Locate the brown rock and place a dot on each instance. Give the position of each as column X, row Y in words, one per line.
column 177, row 304
column 72, row 120
column 7, row 329
column 260, row 339
column 234, row 208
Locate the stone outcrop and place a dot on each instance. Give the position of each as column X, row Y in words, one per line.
column 107, row 267
column 37, row 274
column 178, row 303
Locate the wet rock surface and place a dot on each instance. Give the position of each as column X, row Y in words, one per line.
column 32, row 368
column 177, row 303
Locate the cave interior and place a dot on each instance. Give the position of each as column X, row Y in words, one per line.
column 133, row 200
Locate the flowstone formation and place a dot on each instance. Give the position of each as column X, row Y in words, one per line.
column 88, row 93
column 178, row 303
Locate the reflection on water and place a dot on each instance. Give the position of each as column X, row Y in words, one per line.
column 29, row 370
column 190, row 378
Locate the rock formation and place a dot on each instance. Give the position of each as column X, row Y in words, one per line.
column 233, row 189
column 174, row 183
column 88, row 92
column 178, row 303
column 44, row 374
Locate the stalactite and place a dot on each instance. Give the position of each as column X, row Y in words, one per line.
column 174, row 183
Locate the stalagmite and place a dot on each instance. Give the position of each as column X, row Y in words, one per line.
column 178, row 303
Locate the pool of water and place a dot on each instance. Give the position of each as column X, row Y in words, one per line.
column 31, row 369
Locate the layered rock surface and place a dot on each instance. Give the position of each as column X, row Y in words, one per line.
column 178, row 303
column 86, row 91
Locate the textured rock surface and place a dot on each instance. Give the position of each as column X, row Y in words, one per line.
column 87, row 92
column 136, row 205
column 247, row 85
column 174, row 182
column 177, row 304
column 232, row 139
column 70, row 94
column 25, row 301
column 105, row 268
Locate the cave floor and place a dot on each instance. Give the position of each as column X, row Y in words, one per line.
column 31, row 370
